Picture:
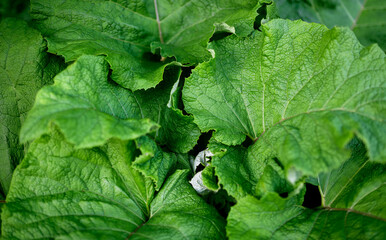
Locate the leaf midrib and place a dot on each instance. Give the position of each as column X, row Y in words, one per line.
column 348, row 210
column 354, row 24
column 315, row 111
column 347, row 183
column 157, row 20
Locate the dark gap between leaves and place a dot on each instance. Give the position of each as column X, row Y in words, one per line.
column 199, row 168
column 109, row 80
column 202, row 143
column 277, row 161
column 137, row 153
column 221, row 201
column 261, row 14
column 185, row 73
column 284, row 194
column 156, row 57
column 219, row 35
column 312, row 198
column 247, row 142
column 2, row 194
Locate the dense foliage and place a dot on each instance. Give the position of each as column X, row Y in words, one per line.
column 190, row 119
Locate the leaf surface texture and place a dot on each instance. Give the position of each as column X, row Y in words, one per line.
column 128, row 31
column 86, row 107
column 25, row 67
column 90, row 109
column 61, row 192
column 299, row 90
column 351, row 208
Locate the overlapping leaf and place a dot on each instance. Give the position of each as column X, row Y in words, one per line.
column 177, row 132
column 365, row 17
column 25, row 67
column 90, row 110
column 299, row 90
column 242, row 172
column 351, row 210
column 209, row 179
column 330, row 13
column 153, row 162
column 357, row 185
column 127, row 32
column 60, row 192
column 86, row 107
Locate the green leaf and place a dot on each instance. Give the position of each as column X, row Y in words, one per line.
column 121, row 155
column 154, row 163
column 25, row 67
column 352, row 207
column 127, row 32
column 369, row 26
column 243, row 172
column 61, row 192
column 364, row 17
column 89, row 109
column 178, row 132
column 334, row 13
column 183, row 162
column 209, row 178
column 273, row 180
column 299, row 90
column 358, row 184
column 234, row 171
column 86, row 107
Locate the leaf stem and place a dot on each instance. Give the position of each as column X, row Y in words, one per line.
column 135, row 230
column 158, row 22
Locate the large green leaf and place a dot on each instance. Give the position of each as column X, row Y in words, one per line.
column 365, row 17
column 299, row 90
column 86, row 107
column 25, row 67
column 89, row 109
column 63, row 193
column 353, row 207
column 128, row 31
